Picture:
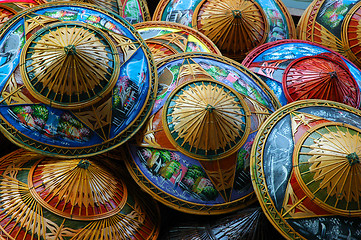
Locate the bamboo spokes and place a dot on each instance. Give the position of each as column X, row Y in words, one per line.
column 174, row 38
column 331, row 165
column 108, row 229
column 25, row 215
column 320, row 78
column 235, row 27
column 69, row 189
column 206, row 117
column 22, row 215
column 107, row 4
column 350, row 35
column 332, row 140
column 70, row 63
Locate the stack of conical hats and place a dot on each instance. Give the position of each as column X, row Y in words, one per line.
column 95, row 103
column 77, row 81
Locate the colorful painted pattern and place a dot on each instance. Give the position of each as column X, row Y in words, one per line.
column 220, row 21
column 167, row 38
column 201, row 183
column 53, row 129
column 288, row 66
column 36, row 204
column 134, row 11
column 335, row 25
column 305, row 169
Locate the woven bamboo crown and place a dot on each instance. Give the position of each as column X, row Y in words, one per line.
column 329, row 171
column 69, row 65
column 206, row 119
column 235, row 27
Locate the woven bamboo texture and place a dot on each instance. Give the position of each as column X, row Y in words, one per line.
column 81, row 199
column 333, row 24
column 167, row 38
column 77, row 90
column 317, row 177
column 236, row 27
column 297, row 70
column 193, row 153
